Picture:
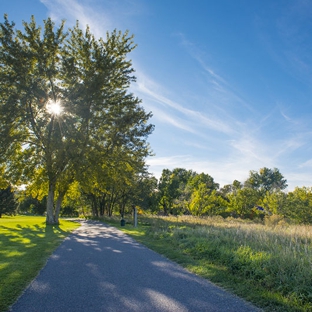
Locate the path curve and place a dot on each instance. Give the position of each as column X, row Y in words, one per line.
column 99, row 268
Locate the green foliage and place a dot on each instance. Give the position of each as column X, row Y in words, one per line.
column 167, row 188
column 69, row 211
column 206, row 202
column 242, row 202
column 89, row 78
column 186, row 192
column 274, row 203
column 181, row 191
column 267, row 180
column 203, row 179
column 8, row 204
column 145, row 195
column 299, row 205
column 33, row 206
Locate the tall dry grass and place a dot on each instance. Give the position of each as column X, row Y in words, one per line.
column 273, row 254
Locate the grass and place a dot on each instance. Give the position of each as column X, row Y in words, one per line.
column 268, row 264
column 25, row 244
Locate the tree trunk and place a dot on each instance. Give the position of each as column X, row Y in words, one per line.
column 165, row 209
column 50, row 204
column 95, row 212
column 122, row 209
column 58, row 206
column 102, row 204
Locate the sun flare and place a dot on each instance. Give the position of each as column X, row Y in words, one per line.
column 54, row 108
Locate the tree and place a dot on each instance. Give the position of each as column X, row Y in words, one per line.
column 29, row 204
column 172, row 191
column 299, row 205
column 274, row 203
column 197, row 179
column 112, row 184
column 267, row 180
column 166, row 191
column 205, row 200
column 182, row 192
column 65, row 104
column 242, row 202
column 8, row 203
column 3, row 183
column 145, row 193
column 231, row 188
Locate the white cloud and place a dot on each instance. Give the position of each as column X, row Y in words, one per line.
column 75, row 10
column 101, row 16
column 298, row 179
column 306, row 164
column 226, row 92
column 163, row 116
column 233, row 135
column 146, row 87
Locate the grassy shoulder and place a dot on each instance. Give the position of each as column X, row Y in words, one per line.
column 26, row 242
column 268, row 265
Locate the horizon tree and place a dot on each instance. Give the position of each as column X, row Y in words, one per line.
column 266, row 180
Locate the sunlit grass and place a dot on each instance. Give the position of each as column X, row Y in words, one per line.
column 268, row 264
column 25, row 244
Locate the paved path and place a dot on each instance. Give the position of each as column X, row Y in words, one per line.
column 99, row 268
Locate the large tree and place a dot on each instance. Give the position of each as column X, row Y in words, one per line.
column 65, row 104
column 266, row 180
column 171, row 187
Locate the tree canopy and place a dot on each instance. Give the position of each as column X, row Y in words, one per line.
column 266, row 180
column 66, row 108
column 8, row 203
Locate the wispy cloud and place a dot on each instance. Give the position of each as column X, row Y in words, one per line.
column 175, row 121
column 306, row 164
column 221, row 125
column 241, row 148
column 152, row 91
column 75, row 10
column 217, row 82
column 101, row 16
column 285, row 39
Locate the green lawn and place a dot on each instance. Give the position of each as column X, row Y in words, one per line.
column 25, row 244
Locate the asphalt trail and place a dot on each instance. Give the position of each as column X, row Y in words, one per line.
column 99, row 268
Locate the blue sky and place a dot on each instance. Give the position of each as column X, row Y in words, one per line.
column 228, row 82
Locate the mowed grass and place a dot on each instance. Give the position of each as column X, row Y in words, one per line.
column 268, row 264
column 26, row 242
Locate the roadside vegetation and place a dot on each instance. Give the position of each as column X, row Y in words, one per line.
column 268, row 264
column 25, row 245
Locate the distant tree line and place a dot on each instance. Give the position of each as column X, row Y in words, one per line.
column 182, row 191
column 177, row 192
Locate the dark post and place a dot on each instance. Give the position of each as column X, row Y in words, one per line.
column 135, row 216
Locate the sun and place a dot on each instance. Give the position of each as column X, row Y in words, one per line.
column 54, row 108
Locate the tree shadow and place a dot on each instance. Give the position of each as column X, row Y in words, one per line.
column 24, row 251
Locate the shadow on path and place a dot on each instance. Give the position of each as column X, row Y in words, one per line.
column 99, row 268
